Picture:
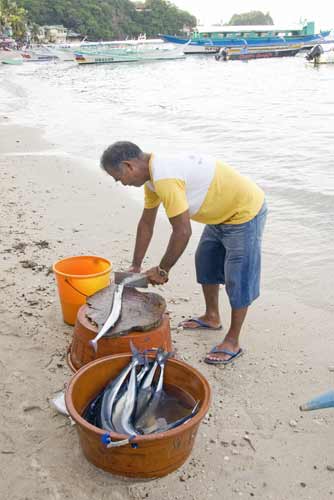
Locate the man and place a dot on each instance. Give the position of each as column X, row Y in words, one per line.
column 229, row 252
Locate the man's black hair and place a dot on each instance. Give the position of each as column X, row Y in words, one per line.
column 118, row 152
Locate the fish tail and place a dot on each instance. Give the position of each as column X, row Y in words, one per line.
column 137, row 355
column 162, row 356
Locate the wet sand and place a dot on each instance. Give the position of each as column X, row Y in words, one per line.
column 254, row 441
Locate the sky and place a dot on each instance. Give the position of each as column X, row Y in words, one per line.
column 283, row 12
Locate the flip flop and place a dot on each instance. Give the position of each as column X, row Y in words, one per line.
column 202, row 325
column 215, row 350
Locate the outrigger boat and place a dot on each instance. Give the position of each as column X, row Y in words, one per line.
column 209, row 40
column 128, row 53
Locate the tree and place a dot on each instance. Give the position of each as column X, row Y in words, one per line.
column 12, row 17
column 160, row 16
column 109, row 19
column 254, row 17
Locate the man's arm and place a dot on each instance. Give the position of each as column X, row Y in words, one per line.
column 177, row 243
column 144, row 235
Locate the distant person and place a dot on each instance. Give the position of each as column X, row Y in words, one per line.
column 234, row 211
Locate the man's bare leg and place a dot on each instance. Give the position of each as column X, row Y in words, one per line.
column 211, row 316
column 231, row 340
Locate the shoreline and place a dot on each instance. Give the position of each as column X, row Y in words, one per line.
column 52, row 208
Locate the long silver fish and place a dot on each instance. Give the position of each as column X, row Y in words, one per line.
column 152, row 404
column 113, row 317
column 121, row 405
column 122, row 416
column 134, row 279
column 146, row 389
column 112, row 390
column 143, row 371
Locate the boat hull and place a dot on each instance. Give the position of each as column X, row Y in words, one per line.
column 266, row 54
column 14, row 62
column 212, row 45
column 118, row 56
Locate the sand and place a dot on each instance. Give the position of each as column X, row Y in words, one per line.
column 254, row 442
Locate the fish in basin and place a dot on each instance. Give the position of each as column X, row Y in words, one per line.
column 138, row 401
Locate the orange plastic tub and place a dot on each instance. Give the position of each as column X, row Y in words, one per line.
column 81, row 352
column 147, row 456
column 78, row 278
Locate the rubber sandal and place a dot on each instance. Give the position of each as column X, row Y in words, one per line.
column 202, row 325
column 215, row 350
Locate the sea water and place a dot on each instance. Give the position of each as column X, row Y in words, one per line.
column 273, row 120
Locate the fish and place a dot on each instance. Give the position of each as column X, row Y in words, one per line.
column 124, row 409
column 150, row 407
column 112, row 318
column 112, row 390
column 128, row 279
column 121, row 404
column 140, row 392
column 143, row 371
column 146, row 389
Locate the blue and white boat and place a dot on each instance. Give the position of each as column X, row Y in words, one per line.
column 211, row 39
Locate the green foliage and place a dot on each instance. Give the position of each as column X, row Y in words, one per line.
column 254, row 17
column 161, row 17
column 12, row 16
column 109, row 19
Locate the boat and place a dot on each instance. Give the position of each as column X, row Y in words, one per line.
column 209, row 40
column 40, row 55
column 9, row 56
column 321, row 54
column 245, row 54
column 14, row 62
column 128, row 53
column 118, row 43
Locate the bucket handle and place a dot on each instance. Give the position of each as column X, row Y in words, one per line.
column 106, row 440
column 72, row 286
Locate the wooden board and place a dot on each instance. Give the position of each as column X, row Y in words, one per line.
column 141, row 311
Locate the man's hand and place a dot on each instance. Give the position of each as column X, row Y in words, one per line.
column 154, row 276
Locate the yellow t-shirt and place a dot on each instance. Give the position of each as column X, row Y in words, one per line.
column 212, row 191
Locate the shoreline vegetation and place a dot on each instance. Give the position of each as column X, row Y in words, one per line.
column 105, row 19
column 96, row 20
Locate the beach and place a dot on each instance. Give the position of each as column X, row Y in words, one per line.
column 254, row 441
column 55, row 121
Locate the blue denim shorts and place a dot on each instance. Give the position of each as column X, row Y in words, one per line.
column 230, row 254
